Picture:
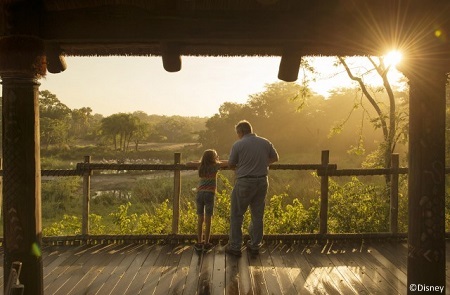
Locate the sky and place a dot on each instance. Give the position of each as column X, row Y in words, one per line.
column 110, row 85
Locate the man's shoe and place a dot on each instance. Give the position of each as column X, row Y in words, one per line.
column 232, row 251
column 252, row 249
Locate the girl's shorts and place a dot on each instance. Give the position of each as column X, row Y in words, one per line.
column 205, row 203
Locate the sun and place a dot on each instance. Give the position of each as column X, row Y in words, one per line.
column 392, row 58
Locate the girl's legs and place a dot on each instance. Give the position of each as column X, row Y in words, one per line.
column 207, row 228
column 200, row 228
column 207, row 246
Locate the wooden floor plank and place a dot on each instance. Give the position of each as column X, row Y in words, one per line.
column 170, row 270
column 142, row 273
column 393, row 268
column 393, row 252
column 59, row 255
column 289, row 254
column 155, row 272
column 231, row 275
column 62, row 273
column 372, row 268
column 310, row 285
column 179, row 278
column 50, row 254
column 320, row 266
column 343, row 267
column 107, row 267
column 350, row 257
column 218, row 280
column 270, row 274
column 244, row 278
column 281, row 269
column 342, row 261
column 393, row 275
column 206, row 271
column 129, row 274
column 193, row 274
column 94, row 266
column 125, row 257
column 256, row 271
column 332, row 267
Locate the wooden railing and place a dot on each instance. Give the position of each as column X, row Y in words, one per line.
column 324, row 170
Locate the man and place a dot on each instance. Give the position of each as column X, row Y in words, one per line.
column 250, row 156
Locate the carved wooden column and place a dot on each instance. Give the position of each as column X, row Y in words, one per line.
column 426, row 179
column 22, row 62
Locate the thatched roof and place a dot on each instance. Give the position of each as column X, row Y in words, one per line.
column 228, row 27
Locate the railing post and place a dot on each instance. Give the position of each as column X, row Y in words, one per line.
column 176, row 194
column 323, row 226
column 393, row 216
column 86, row 198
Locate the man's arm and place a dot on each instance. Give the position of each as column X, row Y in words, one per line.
column 273, row 159
column 273, row 156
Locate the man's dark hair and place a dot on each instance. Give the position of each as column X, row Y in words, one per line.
column 244, row 127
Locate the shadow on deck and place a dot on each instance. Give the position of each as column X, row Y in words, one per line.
column 343, row 267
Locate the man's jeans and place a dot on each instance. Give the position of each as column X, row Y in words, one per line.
column 248, row 192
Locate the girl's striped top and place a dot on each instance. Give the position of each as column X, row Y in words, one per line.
column 208, row 183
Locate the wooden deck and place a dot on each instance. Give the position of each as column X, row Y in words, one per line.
column 343, row 267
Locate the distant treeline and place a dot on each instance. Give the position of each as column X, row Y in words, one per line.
column 297, row 122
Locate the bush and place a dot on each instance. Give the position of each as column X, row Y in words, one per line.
column 62, row 195
column 357, row 208
column 354, row 207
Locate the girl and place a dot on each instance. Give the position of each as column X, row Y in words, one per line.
column 208, row 166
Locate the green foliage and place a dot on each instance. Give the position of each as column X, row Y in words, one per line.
column 153, row 190
column 356, row 208
column 60, row 195
column 54, row 119
column 126, row 223
column 120, row 128
column 288, row 219
column 403, row 205
column 69, row 225
column 96, row 226
column 159, row 221
column 188, row 218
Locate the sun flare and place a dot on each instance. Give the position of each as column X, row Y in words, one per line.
column 393, row 58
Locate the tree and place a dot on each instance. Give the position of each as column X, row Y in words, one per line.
column 175, row 129
column 274, row 114
column 142, row 132
column 81, row 120
column 392, row 119
column 54, row 119
column 120, row 128
column 219, row 128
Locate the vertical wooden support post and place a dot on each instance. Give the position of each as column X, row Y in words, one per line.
column 176, row 194
column 86, row 198
column 22, row 220
column 323, row 227
column 22, row 63
column 1, row 191
column 393, row 216
column 426, row 175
